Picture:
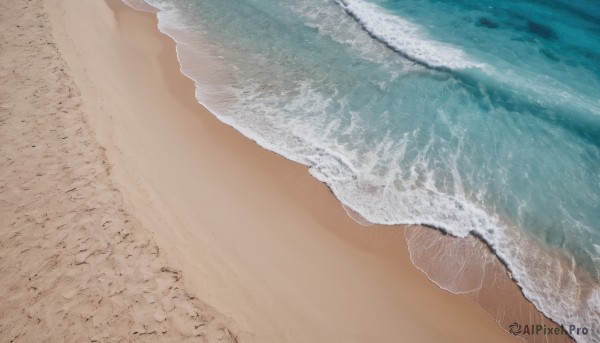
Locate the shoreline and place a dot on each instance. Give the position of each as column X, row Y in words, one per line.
column 165, row 194
column 193, row 62
column 494, row 273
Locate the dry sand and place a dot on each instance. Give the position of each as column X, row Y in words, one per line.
column 75, row 265
column 106, row 156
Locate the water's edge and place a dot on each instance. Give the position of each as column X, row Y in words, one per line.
column 354, row 214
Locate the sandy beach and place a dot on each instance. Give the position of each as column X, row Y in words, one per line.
column 76, row 265
column 130, row 213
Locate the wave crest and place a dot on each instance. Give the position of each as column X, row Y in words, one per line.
column 406, row 38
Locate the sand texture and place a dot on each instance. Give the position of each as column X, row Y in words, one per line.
column 75, row 265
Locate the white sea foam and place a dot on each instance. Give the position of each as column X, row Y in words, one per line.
column 406, row 37
column 325, row 17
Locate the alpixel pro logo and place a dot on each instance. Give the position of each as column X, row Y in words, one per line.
column 540, row 329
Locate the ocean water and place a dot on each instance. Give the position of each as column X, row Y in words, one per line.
column 475, row 117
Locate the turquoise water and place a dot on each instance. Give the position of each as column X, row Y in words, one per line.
column 476, row 117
